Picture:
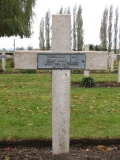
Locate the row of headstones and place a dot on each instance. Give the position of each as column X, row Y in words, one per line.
column 3, row 56
column 111, row 58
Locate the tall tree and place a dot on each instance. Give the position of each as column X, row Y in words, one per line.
column 42, row 37
column 64, row 11
column 67, row 10
column 110, row 29
column 47, row 30
column 79, row 29
column 103, row 30
column 61, row 11
column 16, row 17
column 74, row 27
column 92, row 47
column 116, row 30
column 30, row 47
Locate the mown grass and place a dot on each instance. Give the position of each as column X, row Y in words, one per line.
column 97, row 77
column 95, row 112
column 25, row 103
column 26, row 108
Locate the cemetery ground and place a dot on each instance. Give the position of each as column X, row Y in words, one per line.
column 26, row 117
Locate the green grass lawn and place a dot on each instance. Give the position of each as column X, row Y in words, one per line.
column 97, row 77
column 26, row 108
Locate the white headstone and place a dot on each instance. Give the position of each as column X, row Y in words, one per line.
column 3, row 60
column 118, row 71
column 86, row 73
column 112, row 62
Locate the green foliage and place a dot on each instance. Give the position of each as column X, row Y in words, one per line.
column 16, row 17
column 79, row 29
column 110, row 28
column 12, row 63
column 47, row 30
column 88, row 81
column 31, row 71
column 61, row 11
column 30, row 47
column 20, row 48
column 103, row 30
column 97, row 48
column 92, row 47
column 75, row 78
column 41, row 37
column 64, row 10
column 77, row 71
column 116, row 30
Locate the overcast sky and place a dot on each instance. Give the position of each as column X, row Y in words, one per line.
column 92, row 11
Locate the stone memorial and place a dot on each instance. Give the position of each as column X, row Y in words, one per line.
column 112, row 59
column 60, row 60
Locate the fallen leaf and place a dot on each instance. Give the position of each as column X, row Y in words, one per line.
column 45, row 113
column 101, row 147
column 105, row 101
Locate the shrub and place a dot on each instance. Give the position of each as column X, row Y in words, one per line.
column 12, row 63
column 76, row 71
column 30, row 71
column 88, row 81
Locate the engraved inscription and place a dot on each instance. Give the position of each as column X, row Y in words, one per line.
column 118, row 56
column 61, row 61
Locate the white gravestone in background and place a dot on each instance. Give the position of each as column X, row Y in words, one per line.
column 112, row 61
column 3, row 59
column 86, row 73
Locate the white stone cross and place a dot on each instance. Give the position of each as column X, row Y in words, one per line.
column 115, row 57
column 3, row 59
column 86, row 73
column 61, row 43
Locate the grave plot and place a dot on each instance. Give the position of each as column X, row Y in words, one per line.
column 61, row 45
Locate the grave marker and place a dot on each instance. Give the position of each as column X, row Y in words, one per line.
column 118, row 57
column 86, row 73
column 3, row 59
column 2, row 56
column 112, row 61
column 61, row 43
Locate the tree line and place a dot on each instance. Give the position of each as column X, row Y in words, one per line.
column 45, row 38
column 16, row 18
column 109, row 30
column 105, row 32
